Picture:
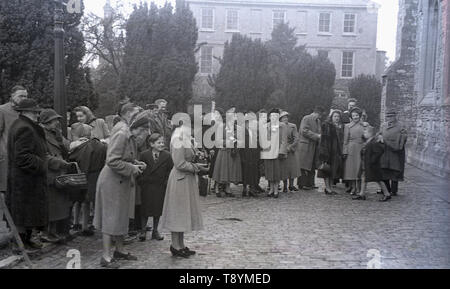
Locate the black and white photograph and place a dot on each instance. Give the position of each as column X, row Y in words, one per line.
column 209, row 136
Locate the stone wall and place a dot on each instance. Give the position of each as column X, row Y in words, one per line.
column 398, row 90
column 424, row 113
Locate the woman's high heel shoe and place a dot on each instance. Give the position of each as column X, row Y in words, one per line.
column 189, row 251
column 110, row 265
column 178, row 253
column 359, row 197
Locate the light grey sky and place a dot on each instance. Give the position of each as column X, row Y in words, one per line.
column 387, row 19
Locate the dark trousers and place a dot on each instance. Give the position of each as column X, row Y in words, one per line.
column 392, row 186
column 307, row 178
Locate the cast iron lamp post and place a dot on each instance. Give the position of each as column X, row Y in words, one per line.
column 59, row 100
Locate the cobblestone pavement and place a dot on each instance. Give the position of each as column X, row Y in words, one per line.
column 306, row 229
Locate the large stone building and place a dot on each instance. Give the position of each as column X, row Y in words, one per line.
column 417, row 83
column 345, row 30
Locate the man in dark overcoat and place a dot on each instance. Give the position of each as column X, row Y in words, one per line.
column 393, row 159
column 8, row 114
column 309, row 138
column 27, row 172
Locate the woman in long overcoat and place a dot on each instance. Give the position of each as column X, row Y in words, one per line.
column 153, row 182
column 330, row 149
column 353, row 144
column 59, row 200
column 181, row 210
column 292, row 166
column 116, row 185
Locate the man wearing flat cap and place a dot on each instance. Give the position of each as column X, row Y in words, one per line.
column 161, row 123
column 26, row 194
column 393, row 159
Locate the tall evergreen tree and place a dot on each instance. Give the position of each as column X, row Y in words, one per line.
column 301, row 80
column 27, row 50
column 281, row 57
column 159, row 59
column 367, row 90
column 243, row 80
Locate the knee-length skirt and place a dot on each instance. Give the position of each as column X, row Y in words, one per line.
column 227, row 168
column 275, row 170
column 292, row 165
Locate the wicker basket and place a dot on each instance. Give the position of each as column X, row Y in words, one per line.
column 72, row 181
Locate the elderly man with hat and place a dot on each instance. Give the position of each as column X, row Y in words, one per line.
column 26, row 194
column 59, row 202
column 308, row 147
column 161, row 123
column 8, row 114
column 393, row 159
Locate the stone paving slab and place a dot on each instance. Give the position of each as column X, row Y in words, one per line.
column 306, row 229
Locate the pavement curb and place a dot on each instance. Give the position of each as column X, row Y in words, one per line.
column 10, row 262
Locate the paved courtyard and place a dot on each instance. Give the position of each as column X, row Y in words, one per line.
column 306, row 229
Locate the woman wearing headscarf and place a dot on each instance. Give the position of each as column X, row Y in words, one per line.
column 181, row 210
column 59, row 202
column 330, row 150
column 353, row 144
column 114, row 202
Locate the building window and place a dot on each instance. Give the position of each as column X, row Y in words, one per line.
column 232, row 19
column 256, row 21
column 322, row 53
column 208, row 18
column 347, row 64
column 302, row 17
column 278, row 18
column 206, row 59
column 349, row 23
column 325, row 22
column 431, row 46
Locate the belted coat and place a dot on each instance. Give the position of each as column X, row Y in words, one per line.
column 116, row 185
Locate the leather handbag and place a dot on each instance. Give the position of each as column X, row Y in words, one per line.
column 325, row 168
column 72, row 181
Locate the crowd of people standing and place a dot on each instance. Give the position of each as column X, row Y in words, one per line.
column 134, row 171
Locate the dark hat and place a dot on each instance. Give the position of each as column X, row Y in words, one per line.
column 151, row 106
column 27, row 105
column 283, row 114
column 158, row 101
column 141, row 122
column 47, row 115
column 357, row 110
column 391, row 112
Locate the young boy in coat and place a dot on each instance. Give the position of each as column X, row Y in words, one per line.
column 153, row 183
column 370, row 165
